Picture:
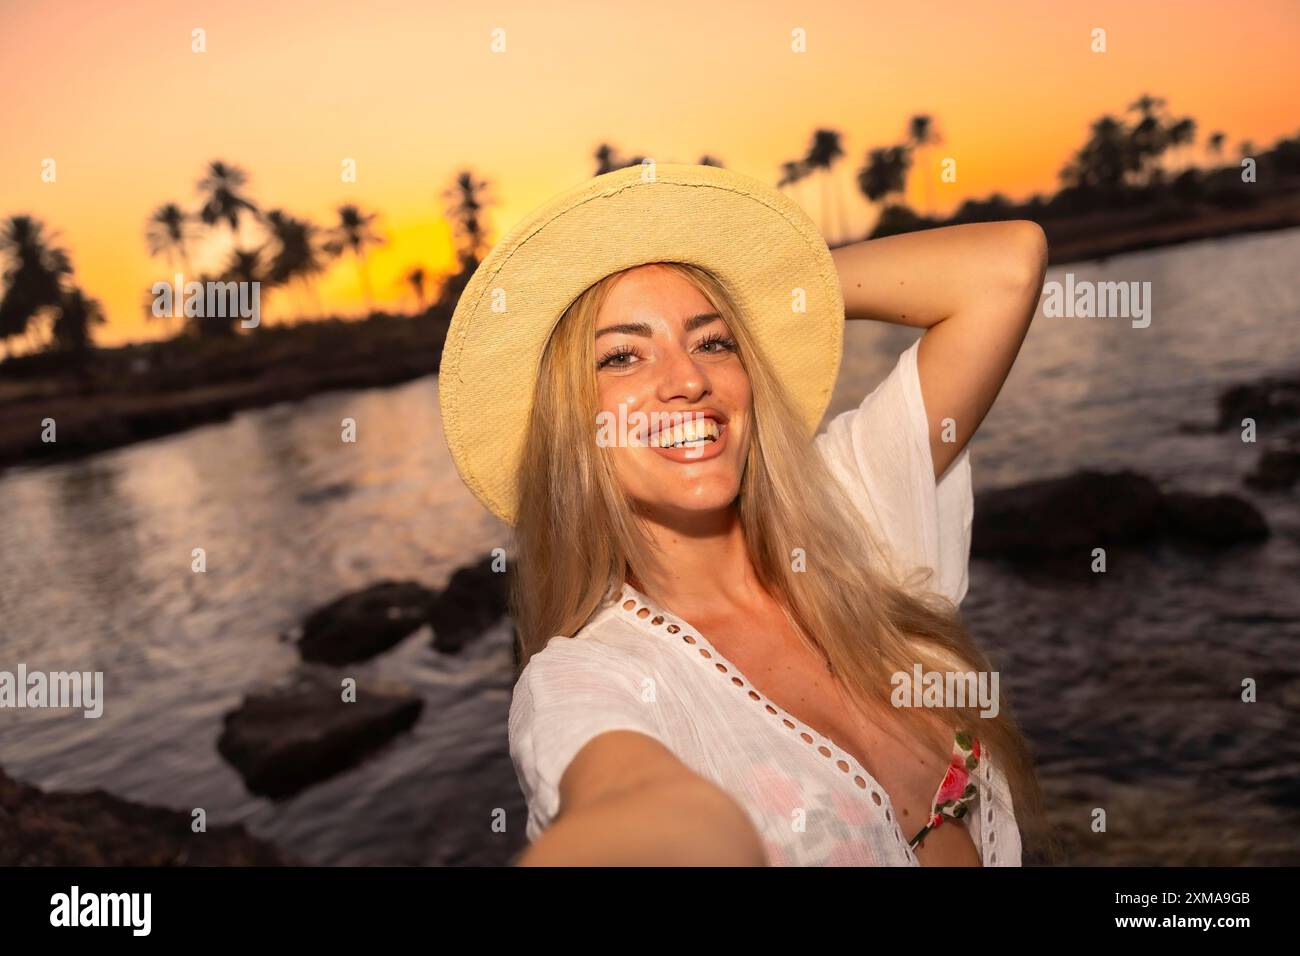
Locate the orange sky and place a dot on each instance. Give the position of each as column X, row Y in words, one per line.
column 413, row 92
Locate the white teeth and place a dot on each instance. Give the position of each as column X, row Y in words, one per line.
column 692, row 433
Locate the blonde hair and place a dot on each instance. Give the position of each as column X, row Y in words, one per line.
column 577, row 539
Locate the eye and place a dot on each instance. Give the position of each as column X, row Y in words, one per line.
column 613, row 358
column 724, row 343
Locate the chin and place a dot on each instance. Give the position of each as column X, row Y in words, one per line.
column 701, row 504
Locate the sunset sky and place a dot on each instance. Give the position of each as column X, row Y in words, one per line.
column 412, row 91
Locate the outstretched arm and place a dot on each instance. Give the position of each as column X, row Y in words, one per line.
column 974, row 288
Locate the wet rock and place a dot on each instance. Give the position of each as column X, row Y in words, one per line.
column 1278, row 467
column 475, row 598
column 358, row 626
column 1268, row 401
column 288, row 738
column 1212, row 520
column 95, row 828
column 1075, row 513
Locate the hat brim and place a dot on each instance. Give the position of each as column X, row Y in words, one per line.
column 759, row 243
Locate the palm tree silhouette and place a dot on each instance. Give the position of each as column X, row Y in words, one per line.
column 1182, row 133
column 1105, row 159
column 295, row 253
column 1214, row 143
column 34, row 275
column 416, row 278
column 78, row 316
column 165, row 233
column 884, row 173
column 822, row 154
column 467, row 202
column 356, row 231
column 221, row 186
column 1148, row 137
column 922, row 134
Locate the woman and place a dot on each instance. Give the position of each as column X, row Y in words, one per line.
column 715, row 609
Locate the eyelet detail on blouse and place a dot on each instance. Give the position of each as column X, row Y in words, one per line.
column 645, row 611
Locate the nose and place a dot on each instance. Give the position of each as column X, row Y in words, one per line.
column 680, row 376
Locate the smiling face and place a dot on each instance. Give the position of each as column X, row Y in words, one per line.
column 666, row 357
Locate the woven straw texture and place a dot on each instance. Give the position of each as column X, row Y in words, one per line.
column 760, row 244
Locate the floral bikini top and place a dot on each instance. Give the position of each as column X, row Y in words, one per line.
column 953, row 798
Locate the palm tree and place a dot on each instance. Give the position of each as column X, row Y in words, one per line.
column 922, row 134
column 34, row 275
column 884, row 173
column 224, row 202
column 1182, row 133
column 822, row 154
column 1214, row 144
column 416, row 278
column 295, row 252
column 1105, row 159
column 468, row 199
column 77, row 318
column 166, row 233
column 356, row 231
column 1148, row 137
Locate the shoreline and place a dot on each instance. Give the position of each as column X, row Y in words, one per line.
column 139, row 392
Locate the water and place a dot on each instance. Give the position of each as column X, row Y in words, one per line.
column 1129, row 687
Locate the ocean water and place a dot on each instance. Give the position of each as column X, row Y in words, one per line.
column 1128, row 686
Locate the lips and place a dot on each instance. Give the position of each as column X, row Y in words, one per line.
column 670, row 421
column 690, row 454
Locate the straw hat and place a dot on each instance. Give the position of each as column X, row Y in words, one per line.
column 763, row 248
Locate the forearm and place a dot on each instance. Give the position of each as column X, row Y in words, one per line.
column 922, row 278
column 683, row 823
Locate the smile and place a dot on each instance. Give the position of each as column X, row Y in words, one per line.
column 691, row 441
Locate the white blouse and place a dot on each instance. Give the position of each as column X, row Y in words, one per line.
column 635, row 666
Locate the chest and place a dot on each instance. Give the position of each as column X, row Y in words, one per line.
column 794, row 678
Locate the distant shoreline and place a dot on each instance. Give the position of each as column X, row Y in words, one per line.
column 137, row 392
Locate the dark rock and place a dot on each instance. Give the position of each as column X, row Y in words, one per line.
column 95, row 828
column 288, row 738
column 1069, row 514
column 475, row 598
column 1215, row 520
column 358, row 626
column 1268, row 401
column 1278, row 467
column 1044, row 520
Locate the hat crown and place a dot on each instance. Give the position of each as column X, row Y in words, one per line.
column 761, row 246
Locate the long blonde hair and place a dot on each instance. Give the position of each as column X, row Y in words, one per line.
column 577, row 539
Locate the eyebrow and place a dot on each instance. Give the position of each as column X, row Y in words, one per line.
column 642, row 328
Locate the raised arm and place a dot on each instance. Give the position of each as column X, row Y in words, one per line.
column 974, row 288
column 626, row 800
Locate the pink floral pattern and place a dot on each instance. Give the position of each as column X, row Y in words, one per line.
column 953, row 798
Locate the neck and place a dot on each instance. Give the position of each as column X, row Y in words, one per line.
column 705, row 565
